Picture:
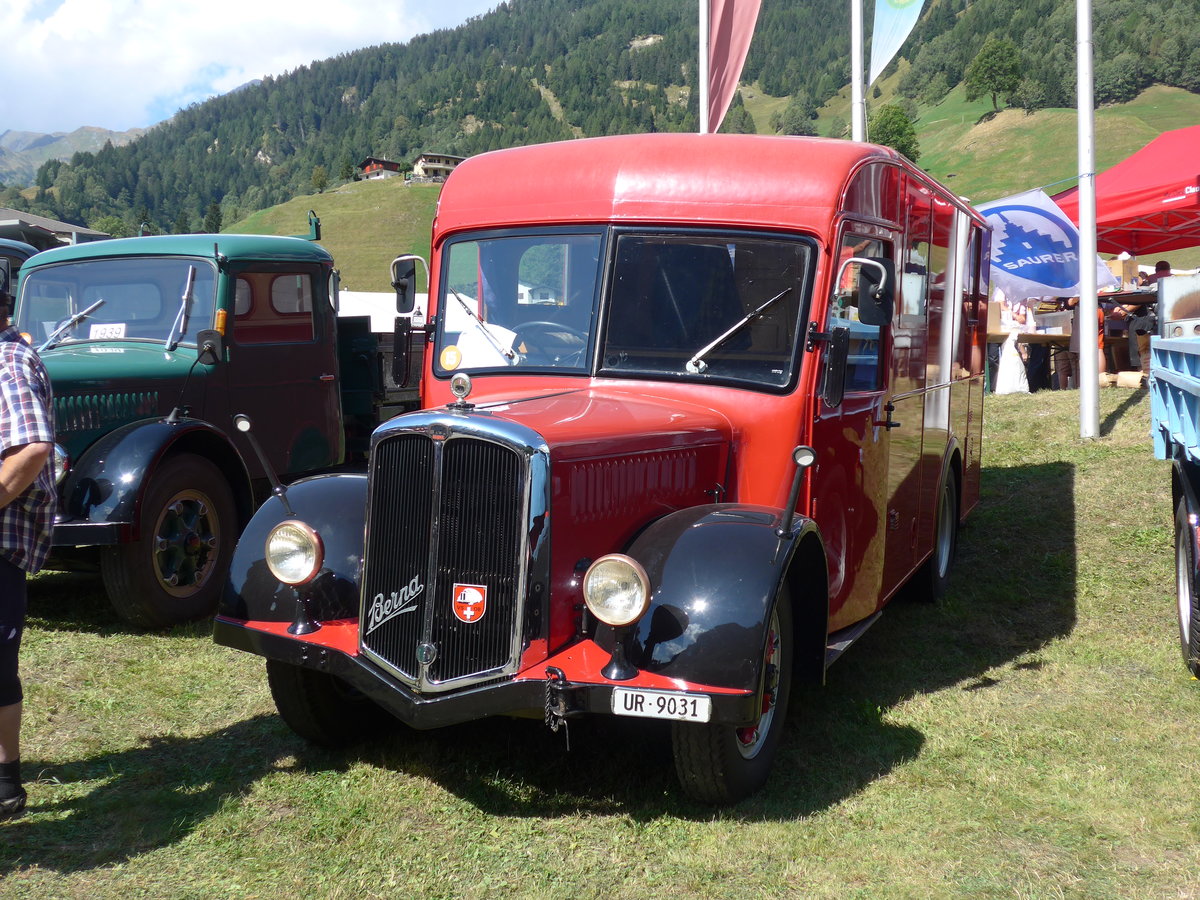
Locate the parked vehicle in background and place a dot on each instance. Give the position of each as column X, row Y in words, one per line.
column 696, row 407
column 12, row 256
column 1175, row 430
column 153, row 346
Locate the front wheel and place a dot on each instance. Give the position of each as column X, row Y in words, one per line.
column 726, row 763
column 324, row 709
column 175, row 571
column 1186, row 602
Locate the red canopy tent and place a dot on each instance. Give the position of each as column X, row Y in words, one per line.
column 1150, row 201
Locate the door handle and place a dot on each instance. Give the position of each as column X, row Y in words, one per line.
column 888, row 423
column 326, row 378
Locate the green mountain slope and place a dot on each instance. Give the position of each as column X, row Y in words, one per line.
column 539, row 70
column 366, row 224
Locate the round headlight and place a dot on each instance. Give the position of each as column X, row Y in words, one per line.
column 616, row 589
column 294, row 552
column 62, row 463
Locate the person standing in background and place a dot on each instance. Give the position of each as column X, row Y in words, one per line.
column 27, row 497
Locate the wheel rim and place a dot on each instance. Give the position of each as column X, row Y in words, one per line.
column 185, row 539
column 945, row 533
column 1183, row 589
column 751, row 738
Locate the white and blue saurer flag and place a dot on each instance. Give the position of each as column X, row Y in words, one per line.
column 1035, row 248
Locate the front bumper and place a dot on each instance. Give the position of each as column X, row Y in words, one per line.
column 576, row 689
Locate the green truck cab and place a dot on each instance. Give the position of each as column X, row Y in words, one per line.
column 154, row 345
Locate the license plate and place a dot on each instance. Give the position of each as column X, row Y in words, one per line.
column 661, row 705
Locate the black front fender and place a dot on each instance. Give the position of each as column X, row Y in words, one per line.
column 100, row 498
column 335, row 507
column 714, row 573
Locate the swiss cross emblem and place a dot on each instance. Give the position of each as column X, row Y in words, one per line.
column 470, row 602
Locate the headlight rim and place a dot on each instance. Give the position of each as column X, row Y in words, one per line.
column 314, row 538
column 639, row 572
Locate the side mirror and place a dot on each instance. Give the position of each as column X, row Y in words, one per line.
column 400, row 354
column 876, row 291
column 5, row 275
column 211, row 346
column 404, row 280
column 833, row 377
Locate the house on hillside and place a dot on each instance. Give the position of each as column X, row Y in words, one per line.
column 434, row 166
column 376, row 167
column 44, row 233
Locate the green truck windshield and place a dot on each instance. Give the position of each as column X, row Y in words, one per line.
column 139, row 299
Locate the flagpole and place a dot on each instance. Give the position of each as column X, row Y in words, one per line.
column 1089, row 370
column 703, row 68
column 858, row 106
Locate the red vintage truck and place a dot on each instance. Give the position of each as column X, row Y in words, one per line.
column 695, row 408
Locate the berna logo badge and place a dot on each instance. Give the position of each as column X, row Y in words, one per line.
column 469, row 602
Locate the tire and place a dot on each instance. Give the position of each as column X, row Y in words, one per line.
column 1186, row 605
column 930, row 581
column 322, row 708
column 176, row 570
column 722, row 764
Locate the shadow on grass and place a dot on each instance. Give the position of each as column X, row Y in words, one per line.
column 1012, row 592
column 143, row 798
column 1110, row 421
column 73, row 602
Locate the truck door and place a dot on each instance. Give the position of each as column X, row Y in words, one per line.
column 906, row 391
column 282, row 353
column 850, row 486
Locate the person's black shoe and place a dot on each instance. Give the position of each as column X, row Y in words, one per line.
column 11, row 806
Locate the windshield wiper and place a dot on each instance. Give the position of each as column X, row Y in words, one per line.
column 68, row 324
column 696, row 364
column 185, row 310
column 507, row 352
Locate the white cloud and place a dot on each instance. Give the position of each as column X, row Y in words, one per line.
column 127, row 63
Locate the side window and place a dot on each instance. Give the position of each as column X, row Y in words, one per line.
column 863, row 368
column 273, row 308
column 241, row 300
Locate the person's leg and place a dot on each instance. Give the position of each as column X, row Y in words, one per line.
column 12, row 624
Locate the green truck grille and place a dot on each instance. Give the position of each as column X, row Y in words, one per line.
column 89, row 412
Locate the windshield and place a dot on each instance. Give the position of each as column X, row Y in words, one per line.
column 518, row 301
column 141, row 300
column 696, row 305
column 723, row 307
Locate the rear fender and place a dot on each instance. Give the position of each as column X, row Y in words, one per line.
column 714, row 573
column 335, row 507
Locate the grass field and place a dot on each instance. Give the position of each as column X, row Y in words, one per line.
column 1031, row 737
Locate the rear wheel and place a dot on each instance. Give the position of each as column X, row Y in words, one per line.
column 725, row 763
column 175, row 571
column 324, row 709
column 929, row 582
column 1185, row 590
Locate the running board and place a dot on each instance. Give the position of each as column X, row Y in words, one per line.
column 839, row 641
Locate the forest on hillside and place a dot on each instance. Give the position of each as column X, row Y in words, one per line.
column 545, row 70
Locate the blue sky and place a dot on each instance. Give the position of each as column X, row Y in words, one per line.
column 122, row 64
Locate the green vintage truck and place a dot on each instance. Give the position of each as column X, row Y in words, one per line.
column 154, row 345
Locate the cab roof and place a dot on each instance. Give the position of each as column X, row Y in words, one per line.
column 694, row 179
column 235, row 247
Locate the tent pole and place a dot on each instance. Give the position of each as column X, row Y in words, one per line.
column 1089, row 369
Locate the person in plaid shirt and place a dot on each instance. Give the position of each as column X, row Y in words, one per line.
column 26, row 522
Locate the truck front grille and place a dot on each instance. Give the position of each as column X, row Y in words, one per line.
column 446, row 521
